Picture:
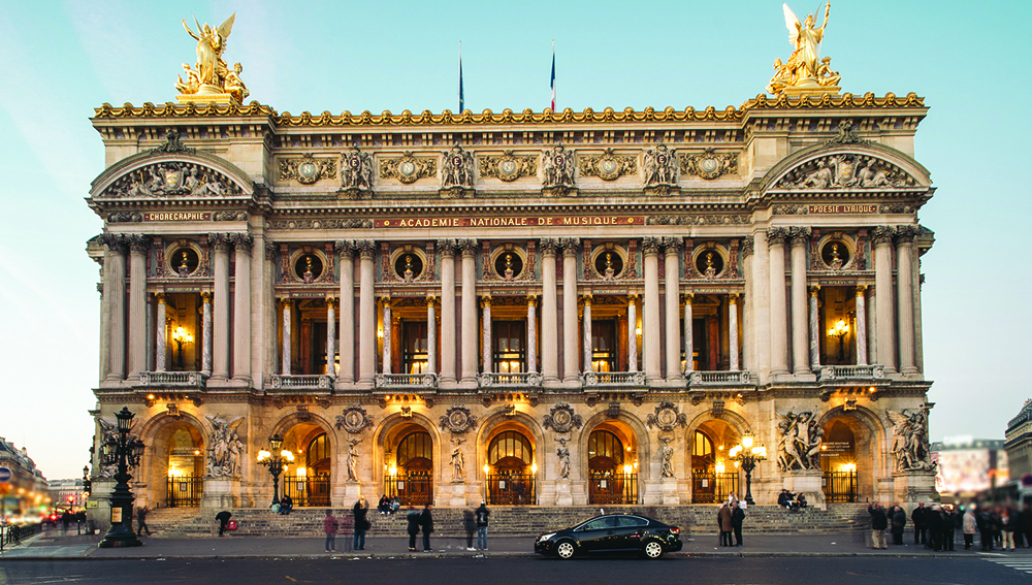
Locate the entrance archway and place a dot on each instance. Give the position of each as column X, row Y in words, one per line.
column 612, row 464
column 846, row 460
column 307, row 481
column 713, row 476
column 510, row 467
column 410, row 473
column 177, row 461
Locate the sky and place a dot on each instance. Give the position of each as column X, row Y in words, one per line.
column 62, row 59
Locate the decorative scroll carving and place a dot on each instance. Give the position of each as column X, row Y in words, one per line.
column 724, row 219
column 242, row 241
column 125, row 217
column 910, row 439
column 562, row 419
column 356, row 172
column 608, row 166
column 331, row 224
column 172, row 178
column 666, row 417
column 709, row 165
column 508, row 167
column 747, row 248
column 354, row 420
column 799, row 445
column 307, row 170
column 847, row 134
column 777, row 235
column 458, row 420
column 846, row 171
column 408, row 169
column 230, row 216
column 173, row 144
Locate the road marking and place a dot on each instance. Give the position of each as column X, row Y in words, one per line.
column 1016, row 564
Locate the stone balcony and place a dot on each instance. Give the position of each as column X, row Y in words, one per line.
column 847, row 373
column 604, row 381
column 285, row 384
column 185, row 380
column 720, row 378
column 413, row 382
column 501, row 381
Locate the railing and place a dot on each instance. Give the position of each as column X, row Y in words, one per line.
column 612, row 379
column 503, row 380
column 427, row 381
column 416, row 490
column 852, row 373
column 301, row 382
column 840, row 487
column 511, row 490
column 709, row 487
column 184, row 492
column 307, row 491
column 612, row 488
column 192, row 379
column 719, row 378
column 14, row 533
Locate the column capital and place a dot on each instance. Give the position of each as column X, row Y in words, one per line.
column 777, row 235
column 331, row 301
column 243, row 242
column 286, row 301
column 138, row 243
column 345, row 248
column 672, row 244
column 468, row 246
column 159, row 296
column 814, row 289
column 799, row 235
column 549, row 246
column 220, row 242
column 861, row 289
column 748, row 247
column 587, row 298
column 632, row 297
column 206, row 297
column 570, row 246
column 882, row 234
column 532, row 300
column 905, row 234
column 366, row 248
column 385, row 301
column 431, row 300
column 650, row 245
column 485, row 300
column 271, row 250
column 732, row 298
column 115, row 242
column 687, row 298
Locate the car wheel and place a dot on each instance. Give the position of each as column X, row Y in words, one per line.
column 653, row 550
column 564, row 550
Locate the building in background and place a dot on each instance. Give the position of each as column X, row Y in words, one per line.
column 970, row 468
column 25, row 494
column 68, row 493
column 1019, row 452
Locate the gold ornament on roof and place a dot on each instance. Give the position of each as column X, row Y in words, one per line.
column 805, row 73
column 211, row 79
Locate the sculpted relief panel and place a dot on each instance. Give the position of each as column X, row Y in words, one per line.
column 846, row 171
column 172, row 179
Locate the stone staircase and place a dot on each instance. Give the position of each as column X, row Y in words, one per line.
column 506, row 521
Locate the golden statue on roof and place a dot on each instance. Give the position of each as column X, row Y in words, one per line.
column 805, row 73
column 211, row 79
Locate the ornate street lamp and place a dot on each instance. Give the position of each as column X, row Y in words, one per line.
column 746, row 456
column 126, row 452
column 181, row 336
column 277, row 461
column 840, row 330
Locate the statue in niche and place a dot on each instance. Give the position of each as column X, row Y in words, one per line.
column 408, row 275
column 711, row 271
column 609, row 273
column 668, row 459
column 308, row 276
column 661, row 166
column 458, row 461
column 352, row 460
column 558, row 167
column 458, row 168
column 508, row 274
column 356, row 170
column 564, row 459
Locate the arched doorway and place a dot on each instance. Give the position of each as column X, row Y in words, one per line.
column 307, row 481
column 184, row 458
column 510, row 468
column 846, row 460
column 713, row 477
column 612, row 465
column 410, row 475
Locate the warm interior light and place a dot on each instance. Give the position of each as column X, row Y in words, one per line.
column 302, row 472
column 719, row 467
column 747, row 441
column 627, row 469
column 486, row 469
column 263, row 455
column 150, row 397
column 393, row 471
column 840, row 328
column 533, row 468
column 379, row 333
column 638, row 331
column 848, row 467
column 287, row 455
column 196, row 452
column 182, row 335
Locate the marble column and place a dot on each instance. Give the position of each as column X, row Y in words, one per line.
column 886, row 333
column 673, row 311
column 431, row 334
column 760, row 311
column 571, row 373
column 689, row 340
column 815, row 328
column 632, row 332
column 732, row 332
column 387, row 335
column 331, row 336
column 346, row 373
column 366, row 314
column 115, row 289
column 549, row 312
column 748, row 328
column 485, row 325
column 447, row 250
column 861, row 326
column 220, row 361
column 915, row 262
column 206, row 340
column 650, row 311
column 800, row 327
column 285, row 351
column 872, row 327
column 469, row 312
column 242, row 309
column 531, row 333
column 778, row 308
column 161, row 336
column 138, row 248
column 587, row 344
column 905, row 298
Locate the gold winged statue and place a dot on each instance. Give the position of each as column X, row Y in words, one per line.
column 805, row 73
column 211, row 79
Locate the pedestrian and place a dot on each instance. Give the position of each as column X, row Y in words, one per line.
column 426, row 522
column 412, row 516
column 969, row 528
column 141, row 521
column 996, row 524
column 347, row 531
column 899, row 522
column 1025, row 523
column 223, row 519
column 879, row 522
column 949, row 528
column 917, row 516
column 724, row 517
column 1008, row 523
column 933, row 519
column 359, row 511
column 482, row 515
column 737, row 517
column 330, row 526
column 732, row 498
column 985, row 529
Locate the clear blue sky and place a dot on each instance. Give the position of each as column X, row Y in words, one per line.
column 62, row 59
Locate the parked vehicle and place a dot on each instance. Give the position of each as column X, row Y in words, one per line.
column 611, row 533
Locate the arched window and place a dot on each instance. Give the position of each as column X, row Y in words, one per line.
column 702, row 450
column 510, row 451
column 318, row 458
column 415, row 453
column 605, row 451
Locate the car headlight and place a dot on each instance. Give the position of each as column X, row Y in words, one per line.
column 545, row 537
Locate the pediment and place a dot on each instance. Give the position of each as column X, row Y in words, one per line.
column 162, row 175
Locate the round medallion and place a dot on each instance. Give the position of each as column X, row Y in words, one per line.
column 661, row 159
column 508, row 170
column 354, row 162
column 353, row 419
column 608, row 165
column 709, row 168
column 307, row 172
column 559, row 161
column 608, row 168
column 456, row 161
column 457, row 419
column 562, row 418
column 407, row 171
column 667, row 417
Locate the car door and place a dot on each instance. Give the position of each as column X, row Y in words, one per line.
column 594, row 535
column 628, row 533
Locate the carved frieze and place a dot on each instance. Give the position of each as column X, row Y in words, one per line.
column 846, row 171
column 408, row 169
column 607, row 166
column 356, row 172
column 172, row 179
column 709, row 165
column 309, row 224
column 456, row 169
column 125, row 217
column 558, row 166
column 307, row 169
column 458, row 420
column 354, row 420
column 562, row 419
column 508, row 167
column 661, row 167
column 666, row 417
column 721, row 219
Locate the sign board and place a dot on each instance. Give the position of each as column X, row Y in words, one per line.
column 92, row 504
column 1026, row 480
column 116, row 515
column 5, row 474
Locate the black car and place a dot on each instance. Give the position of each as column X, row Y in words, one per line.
column 611, row 533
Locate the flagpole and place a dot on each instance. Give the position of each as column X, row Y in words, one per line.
column 462, row 99
column 553, row 75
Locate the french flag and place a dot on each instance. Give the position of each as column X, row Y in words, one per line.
column 553, row 75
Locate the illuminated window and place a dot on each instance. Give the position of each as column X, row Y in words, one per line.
column 605, row 452
column 603, row 345
column 508, row 338
column 415, row 354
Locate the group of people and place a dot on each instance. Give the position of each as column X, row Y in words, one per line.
column 388, row 505
column 935, row 526
column 730, row 517
column 791, row 502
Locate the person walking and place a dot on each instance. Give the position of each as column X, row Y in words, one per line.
column 359, row 511
column 899, row 522
column 426, row 522
column 330, row 526
column 917, row 516
column 1025, row 524
column 412, row 516
column 949, row 527
column 223, row 520
column 737, row 518
column 482, row 515
column 141, row 521
column 969, row 527
column 1008, row 524
column 347, row 531
column 985, row 529
column 724, row 518
column 879, row 522
column 933, row 519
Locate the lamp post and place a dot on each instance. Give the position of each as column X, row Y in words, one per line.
column 746, row 455
column 840, row 330
column 126, row 452
column 277, row 461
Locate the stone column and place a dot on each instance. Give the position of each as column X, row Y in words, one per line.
column 220, row 363
column 114, row 288
column 586, row 341
column 485, row 325
column 689, row 341
column 387, row 335
column 815, row 329
column 747, row 251
column 331, row 336
column 138, row 248
column 242, row 309
column 531, row 333
column 861, row 326
column 285, row 351
column 161, row 336
column 650, row 310
column 571, row 372
column 800, row 347
column 760, row 311
column 905, row 298
column 431, row 334
column 447, row 250
column 632, row 332
column 673, row 311
column 346, row 373
column 872, row 327
column 549, row 312
column 469, row 312
column 206, row 340
column 883, row 292
column 778, row 308
column 366, row 314
column 732, row 332
column 915, row 262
